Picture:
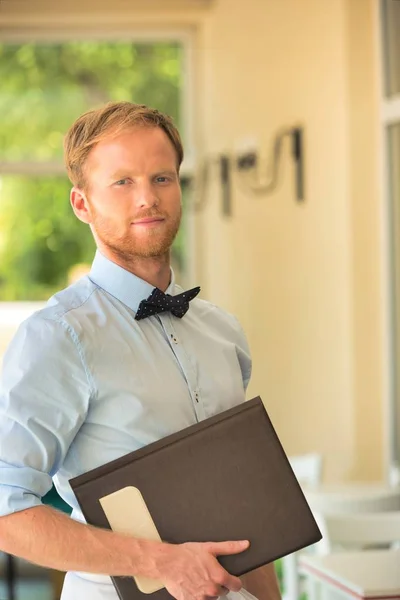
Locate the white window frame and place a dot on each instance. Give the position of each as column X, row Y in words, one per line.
column 389, row 114
column 128, row 33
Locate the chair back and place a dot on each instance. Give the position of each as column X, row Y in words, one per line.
column 307, row 468
column 360, row 530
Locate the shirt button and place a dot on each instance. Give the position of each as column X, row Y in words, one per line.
column 174, row 339
column 196, row 397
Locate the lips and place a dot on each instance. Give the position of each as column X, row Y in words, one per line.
column 148, row 220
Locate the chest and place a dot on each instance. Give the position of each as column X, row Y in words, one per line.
column 162, row 376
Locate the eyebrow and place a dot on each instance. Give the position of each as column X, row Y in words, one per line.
column 121, row 174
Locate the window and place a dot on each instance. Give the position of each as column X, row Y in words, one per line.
column 45, row 86
column 393, row 139
column 391, row 37
column 390, row 111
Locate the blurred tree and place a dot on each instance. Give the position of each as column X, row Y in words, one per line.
column 44, row 87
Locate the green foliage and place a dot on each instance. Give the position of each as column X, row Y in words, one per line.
column 279, row 573
column 44, row 88
column 41, row 238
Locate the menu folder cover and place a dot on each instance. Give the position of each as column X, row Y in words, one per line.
column 224, row 478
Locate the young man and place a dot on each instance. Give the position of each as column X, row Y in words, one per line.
column 99, row 372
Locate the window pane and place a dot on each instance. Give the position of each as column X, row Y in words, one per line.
column 45, row 87
column 40, row 237
column 391, row 41
column 394, row 164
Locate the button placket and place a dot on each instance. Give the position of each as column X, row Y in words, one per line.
column 183, row 359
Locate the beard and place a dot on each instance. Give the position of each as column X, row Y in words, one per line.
column 155, row 242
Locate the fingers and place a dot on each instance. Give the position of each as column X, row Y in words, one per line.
column 231, row 583
column 227, row 581
column 224, row 548
column 198, row 569
column 217, row 591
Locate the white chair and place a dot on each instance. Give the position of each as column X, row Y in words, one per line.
column 308, row 471
column 361, row 531
column 307, row 468
column 394, row 475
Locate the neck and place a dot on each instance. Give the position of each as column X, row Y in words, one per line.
column 154, row 270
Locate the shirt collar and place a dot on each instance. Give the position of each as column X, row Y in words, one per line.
column 120, row 283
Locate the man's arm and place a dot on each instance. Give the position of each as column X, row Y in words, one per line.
column 51, row 539
column 262, row 583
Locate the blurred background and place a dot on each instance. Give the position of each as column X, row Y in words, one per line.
column 290, row 115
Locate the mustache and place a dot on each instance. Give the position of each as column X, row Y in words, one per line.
column 149, row 214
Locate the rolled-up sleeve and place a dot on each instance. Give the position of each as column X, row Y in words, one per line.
column 44, row 397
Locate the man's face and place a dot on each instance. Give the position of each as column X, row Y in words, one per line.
column 134, row 196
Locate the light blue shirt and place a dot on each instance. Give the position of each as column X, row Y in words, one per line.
column 84, row 383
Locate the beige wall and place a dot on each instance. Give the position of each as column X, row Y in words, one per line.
column 367, row 242
column 303, row 278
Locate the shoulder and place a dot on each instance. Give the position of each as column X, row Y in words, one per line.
column 217, row 318
column 45, row 355
column 49, row 328
column 208, row 310
column 76, row 297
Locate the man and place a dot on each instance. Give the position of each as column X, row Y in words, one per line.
column 96, row 374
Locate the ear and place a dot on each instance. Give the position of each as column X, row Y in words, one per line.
column 80, row 205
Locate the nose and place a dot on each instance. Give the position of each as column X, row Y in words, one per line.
column 144, row 196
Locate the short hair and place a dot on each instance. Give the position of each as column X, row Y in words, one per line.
column 110, row 119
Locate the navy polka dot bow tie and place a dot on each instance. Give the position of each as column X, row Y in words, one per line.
column 159, row 302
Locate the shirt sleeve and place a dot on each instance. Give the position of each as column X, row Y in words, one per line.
column 44, row 398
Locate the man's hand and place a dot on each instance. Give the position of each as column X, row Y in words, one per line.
column 191, row 571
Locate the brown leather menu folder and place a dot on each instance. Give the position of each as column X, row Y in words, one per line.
column 224, row 478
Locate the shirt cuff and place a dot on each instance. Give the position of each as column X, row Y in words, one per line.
column 21, row 488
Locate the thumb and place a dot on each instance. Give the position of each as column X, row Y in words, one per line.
column 224, row 548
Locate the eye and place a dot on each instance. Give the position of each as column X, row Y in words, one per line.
column 121, row 182
column 162, row 179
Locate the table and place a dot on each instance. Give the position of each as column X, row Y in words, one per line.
column 339, row 498
column 349, row 575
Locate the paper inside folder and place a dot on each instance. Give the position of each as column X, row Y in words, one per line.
column 127, row 512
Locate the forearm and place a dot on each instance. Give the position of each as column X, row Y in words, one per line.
column 51, row 539
column 262, row 583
